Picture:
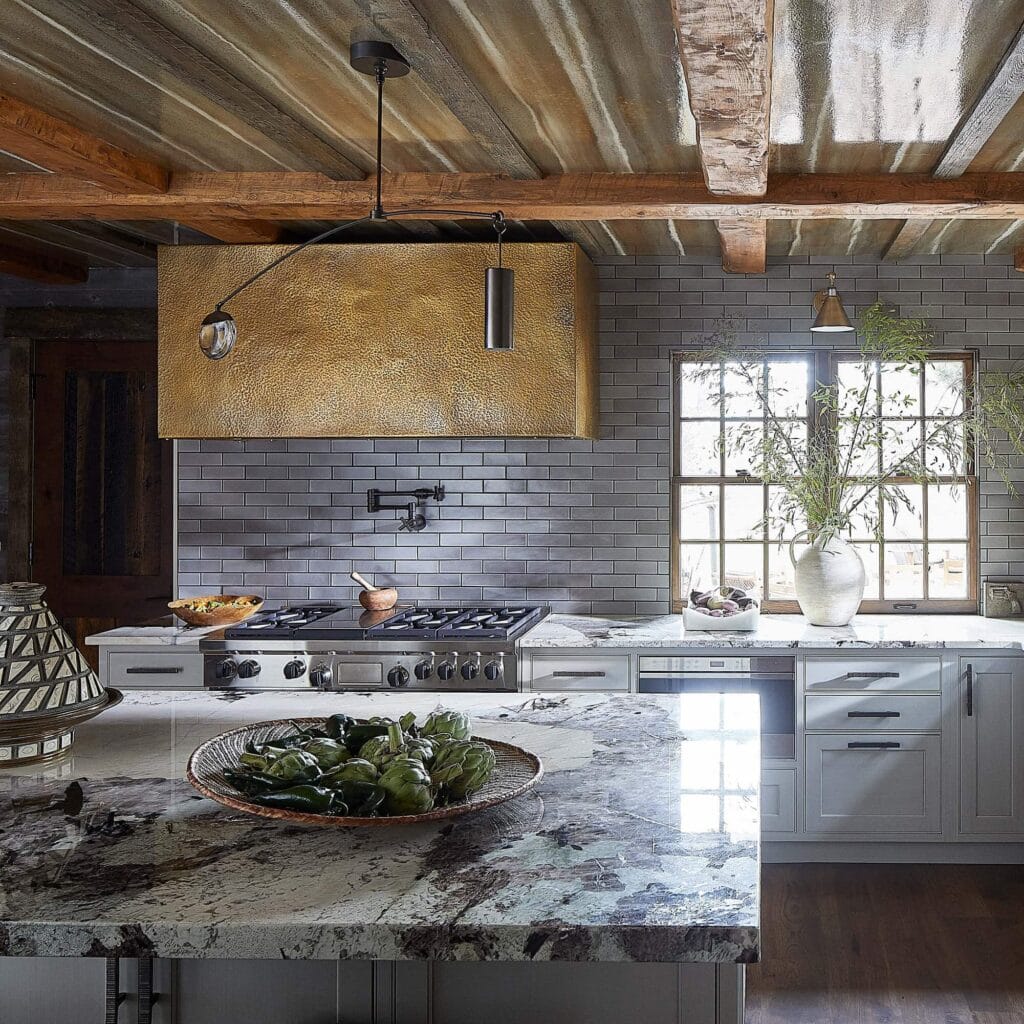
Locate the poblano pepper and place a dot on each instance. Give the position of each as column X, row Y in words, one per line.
column 305, row 798
column 337, row 725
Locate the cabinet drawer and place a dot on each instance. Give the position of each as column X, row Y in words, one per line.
column 580, row 673
column 142, row 671
column 778, row 800
column 873, row 674
column 873, row 712
column 893, row 787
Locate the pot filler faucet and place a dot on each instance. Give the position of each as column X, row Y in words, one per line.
column 415, row 518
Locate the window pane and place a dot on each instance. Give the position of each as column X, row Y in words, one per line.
column 787, row 385
column 943, row 387
column 744, row 512
column 901, row 390
column 947, row 571
column 857, row 384
column 864, row 440
column 741, row 446
column 699, row 387
column 904, row 571
column 946, row 447
column 698, row 567
column 699, row 449
column 904, row 513
column 744, row 383
column 869, row 556
column 778, row 510
column 864, row 518
column 780, row 572
column 947, row 510
column 744, row 567
column 793, row 446
column 698, row 512
column 901, row 442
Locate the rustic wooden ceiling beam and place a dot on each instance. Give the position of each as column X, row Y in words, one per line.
column 236, row 230
column 55, row 145
column 40, row 266
column 275, row 196
column 160, row 47
column 406, row 28
column 997, row 97
column 726, row 52
column 744, row 245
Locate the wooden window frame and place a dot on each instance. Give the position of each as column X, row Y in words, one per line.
column 824, row 365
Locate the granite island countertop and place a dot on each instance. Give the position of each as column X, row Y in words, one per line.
column 640, row 843
column 777, row 631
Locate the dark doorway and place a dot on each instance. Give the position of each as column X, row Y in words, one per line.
column 101, row 484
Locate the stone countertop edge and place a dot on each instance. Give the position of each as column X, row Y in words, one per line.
column 652, row 632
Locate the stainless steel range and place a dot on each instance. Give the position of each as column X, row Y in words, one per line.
column 335, row 647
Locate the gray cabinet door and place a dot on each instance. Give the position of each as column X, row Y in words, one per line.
column 991, row 695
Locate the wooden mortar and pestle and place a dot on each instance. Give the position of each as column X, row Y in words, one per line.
column 375, row 599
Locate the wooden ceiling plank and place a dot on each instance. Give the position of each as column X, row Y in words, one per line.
column 91, row 241
column 405, row 27
column 282, row 196
column 726, row 53
column 235, row 230
column 39, row 266
column 48, row 142
column 744, row 245
column 997, row 97
column 163, row 48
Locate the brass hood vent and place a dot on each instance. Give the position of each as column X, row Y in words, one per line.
column 378, row 341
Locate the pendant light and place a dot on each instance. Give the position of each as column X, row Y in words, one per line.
column 219, row 331
column 831, row 316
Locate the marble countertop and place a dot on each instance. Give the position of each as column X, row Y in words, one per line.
column 640, row 843
column 165, row 631
column 774, row 631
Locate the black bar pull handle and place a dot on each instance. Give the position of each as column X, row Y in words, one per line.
column 566, row 674
column 872, row 714
column 154, row 670
column 873, row 746
column 872, row 675
column 970, row 691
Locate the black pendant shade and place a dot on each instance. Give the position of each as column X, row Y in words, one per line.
column 499, row 301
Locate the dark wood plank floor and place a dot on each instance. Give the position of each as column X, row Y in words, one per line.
column 890, row 944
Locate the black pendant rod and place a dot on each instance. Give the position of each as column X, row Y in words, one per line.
column 381, row 71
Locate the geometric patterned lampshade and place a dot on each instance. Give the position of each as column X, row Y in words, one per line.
column 46, row 686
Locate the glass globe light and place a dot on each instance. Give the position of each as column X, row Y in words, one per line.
column 218, row 334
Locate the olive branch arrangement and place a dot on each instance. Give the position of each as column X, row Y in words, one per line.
column 857, row 459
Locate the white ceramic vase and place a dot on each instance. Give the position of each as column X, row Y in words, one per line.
column 829, row 581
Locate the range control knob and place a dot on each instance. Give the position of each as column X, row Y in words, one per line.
column 295, row 669
column 424, row 669
column 249, row 669
column 320, row 676
column 398, row 676
column 492, row 670
column 446, row 670
column 470, row 669
column 225, row 669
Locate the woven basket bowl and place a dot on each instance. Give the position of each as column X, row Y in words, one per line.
column 515, row 772
column 226, row 616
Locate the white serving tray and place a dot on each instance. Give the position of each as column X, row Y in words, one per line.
column 741, row 621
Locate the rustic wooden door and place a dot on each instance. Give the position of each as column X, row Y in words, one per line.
column 102, row 485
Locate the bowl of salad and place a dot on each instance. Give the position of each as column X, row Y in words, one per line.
column 216, row 609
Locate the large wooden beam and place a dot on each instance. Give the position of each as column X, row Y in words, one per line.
column 406, row 28
column 277, row 196
column 159, row 47
column 1003, row 89
column 726, row 51
column 744, row 245
column 39, row 266
column 55, row 145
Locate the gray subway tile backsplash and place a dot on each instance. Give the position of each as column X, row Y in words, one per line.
column 581, row 525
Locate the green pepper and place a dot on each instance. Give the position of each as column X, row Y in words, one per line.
column 251, row 783
column 337, row 725
column 362, row 799
column 307, row 799
column 359, row 733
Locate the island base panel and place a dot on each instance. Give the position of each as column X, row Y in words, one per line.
column 75, row 991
